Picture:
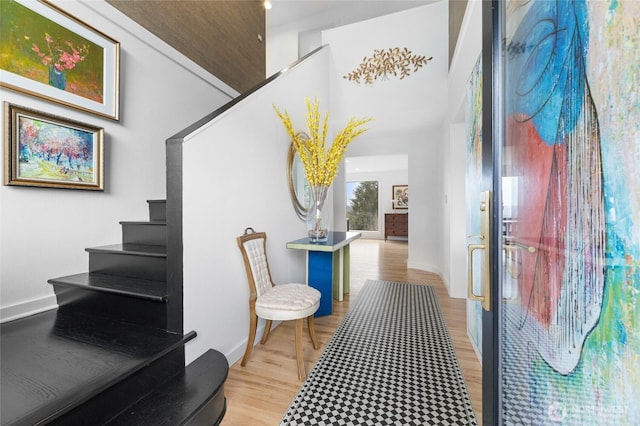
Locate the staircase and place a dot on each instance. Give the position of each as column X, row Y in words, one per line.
column 109, row 355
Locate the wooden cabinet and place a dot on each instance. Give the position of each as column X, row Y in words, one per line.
column 396, row 225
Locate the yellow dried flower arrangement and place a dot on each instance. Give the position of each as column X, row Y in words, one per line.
column 320, row 165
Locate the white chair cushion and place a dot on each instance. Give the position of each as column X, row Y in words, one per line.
column 288, row 301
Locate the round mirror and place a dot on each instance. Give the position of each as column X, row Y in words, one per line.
column 298, row 186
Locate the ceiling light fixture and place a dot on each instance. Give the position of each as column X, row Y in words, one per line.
column 393, row 61
column 267, row 5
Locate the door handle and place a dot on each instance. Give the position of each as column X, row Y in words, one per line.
column 470, row 249
column 485, row 229
column 511, row 243
column 514, row 251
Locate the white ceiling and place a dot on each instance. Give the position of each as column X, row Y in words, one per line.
column 331, row 13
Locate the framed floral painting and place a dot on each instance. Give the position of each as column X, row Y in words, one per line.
column 49, row 151
column 400, row 196
column 47, row 53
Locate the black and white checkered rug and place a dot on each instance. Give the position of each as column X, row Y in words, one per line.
column 390, row 362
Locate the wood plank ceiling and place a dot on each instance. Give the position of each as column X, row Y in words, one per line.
column 226, row 38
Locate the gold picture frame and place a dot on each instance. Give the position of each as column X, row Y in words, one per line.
column 49, row 151
column 47, row 53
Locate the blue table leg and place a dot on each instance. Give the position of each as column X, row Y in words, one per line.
column 320, row 264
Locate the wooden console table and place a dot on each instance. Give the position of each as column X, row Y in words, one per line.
column 396, row 225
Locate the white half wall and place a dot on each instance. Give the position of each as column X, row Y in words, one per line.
column 44, row 231
column 234, row 177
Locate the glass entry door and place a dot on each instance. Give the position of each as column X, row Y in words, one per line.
column 567, row 279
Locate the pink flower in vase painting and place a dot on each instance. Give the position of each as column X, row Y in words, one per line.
column 60, row 57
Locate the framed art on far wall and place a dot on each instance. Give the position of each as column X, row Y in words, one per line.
column 400, row 196
column 47, row 53
column 49, row 151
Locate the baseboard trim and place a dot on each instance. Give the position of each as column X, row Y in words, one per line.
column 237, row 352
column 28, row 308
column 424, row 267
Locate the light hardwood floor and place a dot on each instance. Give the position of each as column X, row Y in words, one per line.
column 260, row 392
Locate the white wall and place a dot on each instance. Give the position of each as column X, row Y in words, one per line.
column 427, row 196
column 465, row 56
column 282, row 48
column 235, row 177
column 456, row 253
column 43, row 232
column 400, row 106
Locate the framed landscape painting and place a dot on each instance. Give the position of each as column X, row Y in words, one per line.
column 47, row 53
column 44, row 150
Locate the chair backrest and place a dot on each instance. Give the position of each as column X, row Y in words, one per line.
column 253, row 246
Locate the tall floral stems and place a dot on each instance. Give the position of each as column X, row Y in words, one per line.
column 321, row 165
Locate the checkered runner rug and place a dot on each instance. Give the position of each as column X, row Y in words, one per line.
column 390, row 362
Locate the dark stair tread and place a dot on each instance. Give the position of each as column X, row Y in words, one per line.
column 180, row 399
column 134, row 287
column 54, row 361
column 131, row 249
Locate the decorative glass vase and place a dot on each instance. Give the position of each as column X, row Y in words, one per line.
column 318, row 215
column 57, row 79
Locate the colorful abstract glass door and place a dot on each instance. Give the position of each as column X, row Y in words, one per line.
column 570, row 280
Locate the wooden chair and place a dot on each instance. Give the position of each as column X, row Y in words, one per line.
column 274, row 302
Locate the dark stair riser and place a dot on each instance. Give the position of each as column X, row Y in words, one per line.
column 151, row 233
column 193, row 397
column 215, row 409
column 164, row 393
column 157, row 210
column 111, row 403
column 129, row 265
column 126, row 308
